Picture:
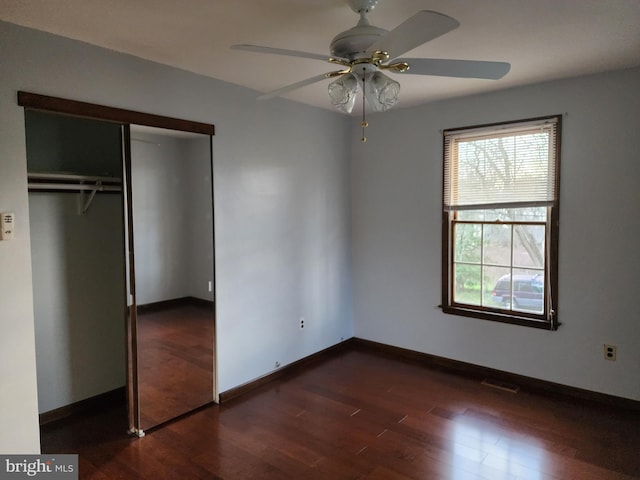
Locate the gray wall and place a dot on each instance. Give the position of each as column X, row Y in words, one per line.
column 58, row 143
column 281, row 199
column 79, row 302
column 201, row 254
column 397, row 205
column 172, row 216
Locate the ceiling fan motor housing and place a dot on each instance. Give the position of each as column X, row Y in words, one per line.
column 354, row 42
column 362, row 5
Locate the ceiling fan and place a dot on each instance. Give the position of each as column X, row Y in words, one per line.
column 365, row 51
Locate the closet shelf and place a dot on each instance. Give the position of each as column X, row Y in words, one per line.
column 69, row 182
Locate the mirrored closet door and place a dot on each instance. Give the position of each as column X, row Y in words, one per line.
column 172, row 283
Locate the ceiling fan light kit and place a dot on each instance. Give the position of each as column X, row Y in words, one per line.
column 364, row 51
column 342, row 92
column 381, row 92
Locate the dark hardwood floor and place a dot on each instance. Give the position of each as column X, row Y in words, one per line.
column 356, row 414
column 175, row 360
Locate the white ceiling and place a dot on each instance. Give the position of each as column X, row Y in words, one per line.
column 542, row 39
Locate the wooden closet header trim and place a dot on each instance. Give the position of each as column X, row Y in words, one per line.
column 110, row 114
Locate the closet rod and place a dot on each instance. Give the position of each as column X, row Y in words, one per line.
column 68, row 182
column 76, row 187
column 73, row 177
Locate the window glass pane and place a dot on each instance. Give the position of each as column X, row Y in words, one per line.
column 467, row 284
column 497, row 245
column 525, row 214
column 528, row 214
column 528, row 290
column 468, row 242
column 528, row 246
column 497, row 287
column 472, row 215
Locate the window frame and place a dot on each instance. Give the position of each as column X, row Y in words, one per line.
column 548, row 320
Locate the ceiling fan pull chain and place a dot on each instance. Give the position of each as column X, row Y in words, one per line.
column 364, row 123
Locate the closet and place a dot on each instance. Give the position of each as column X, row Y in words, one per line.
column 77, row 253
column 121, row 218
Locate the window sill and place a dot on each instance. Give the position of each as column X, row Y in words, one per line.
column 502, row 318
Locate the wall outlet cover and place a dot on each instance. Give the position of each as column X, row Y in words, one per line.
column 610, row 352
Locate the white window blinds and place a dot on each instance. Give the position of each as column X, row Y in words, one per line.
column 496, row 167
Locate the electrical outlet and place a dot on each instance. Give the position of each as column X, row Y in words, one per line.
column 301, row 323
column 610, row 352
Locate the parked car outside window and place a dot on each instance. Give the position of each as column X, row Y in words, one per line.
column 524, row 292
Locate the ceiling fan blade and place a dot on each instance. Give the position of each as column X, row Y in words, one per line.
column 300, row 84
column 456, row 68
column 279, row 51
column 413, row 32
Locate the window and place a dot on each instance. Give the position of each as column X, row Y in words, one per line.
column 500, row 222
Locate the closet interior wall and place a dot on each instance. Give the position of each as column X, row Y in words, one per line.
column 78, row 266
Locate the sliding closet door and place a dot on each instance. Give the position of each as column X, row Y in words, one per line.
column 171, row 210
